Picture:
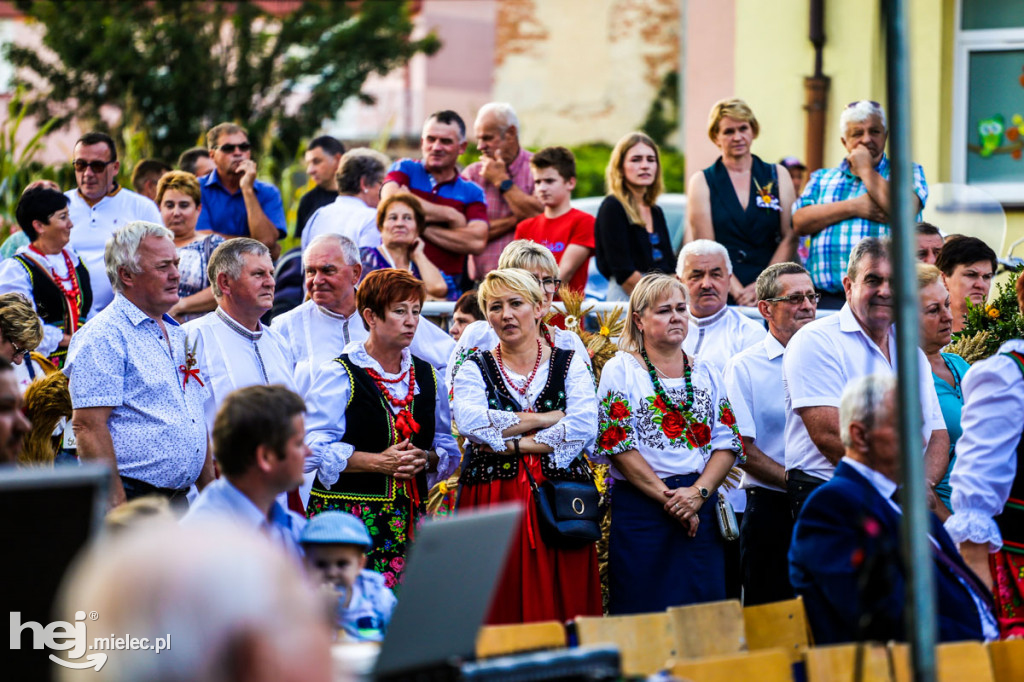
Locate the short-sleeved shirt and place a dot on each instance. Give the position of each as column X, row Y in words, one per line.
column 314, row 199
column 122, row 361
column 574, row 227
column 348, row 216
column 224, row 213
column 93, row 226
column 820, row 360
column 521, row 174
column 830, row 249
column 753, row 380
column 457, row 193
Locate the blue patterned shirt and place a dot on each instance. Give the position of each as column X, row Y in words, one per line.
column 121, row 360
column 831, row 248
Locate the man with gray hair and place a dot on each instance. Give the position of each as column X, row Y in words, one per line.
column 845, row 558
column 842, row 205
column 787, row 301
column 506, row 177
column 319, row 330
column 823, row 357
column 353, row 212
column 138, row 403
column 231, row 347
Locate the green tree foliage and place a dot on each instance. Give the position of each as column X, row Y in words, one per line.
column 663, row 116
column 183, row 66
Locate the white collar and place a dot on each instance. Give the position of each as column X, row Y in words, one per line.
column 233, row 325
column 710, row 319
column 333, row 315
column 882, row 483
column 358, row 355
column 773, row 348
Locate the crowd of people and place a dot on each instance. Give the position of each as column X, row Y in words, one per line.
column 749, row 457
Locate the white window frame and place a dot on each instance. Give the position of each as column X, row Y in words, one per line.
column 965, row 43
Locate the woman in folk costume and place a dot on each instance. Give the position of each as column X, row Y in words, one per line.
column 378, row 424
column 47, row 273
column 527, row 405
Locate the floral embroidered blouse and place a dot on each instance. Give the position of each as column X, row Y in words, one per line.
column 633, row 417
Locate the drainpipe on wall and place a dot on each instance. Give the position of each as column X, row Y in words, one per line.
column 816, row 92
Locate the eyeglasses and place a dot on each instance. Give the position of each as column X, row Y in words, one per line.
column 17, row 350
column 230, row 148
column 96, row 167
column 795, row 299
column 549, row 284
column 873, row 103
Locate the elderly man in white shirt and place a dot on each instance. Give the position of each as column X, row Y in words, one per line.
column 787, row 301
column 827, row 354
column 716, row 334
column 319, row 330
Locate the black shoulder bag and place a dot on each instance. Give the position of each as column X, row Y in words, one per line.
column 567, row 511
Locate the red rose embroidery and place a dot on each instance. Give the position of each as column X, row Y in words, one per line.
column 672, row 424
column 698, row 434
column 611, row 437
column 618, row 411
column 728, row 418
column 660, row 404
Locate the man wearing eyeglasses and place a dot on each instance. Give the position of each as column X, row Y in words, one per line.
column 842, row 205
column 753, row 380
column 99, row 207
column 235, row 203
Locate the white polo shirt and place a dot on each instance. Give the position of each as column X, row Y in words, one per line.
column 753, row 380
column 93, row 226
column 820, row 360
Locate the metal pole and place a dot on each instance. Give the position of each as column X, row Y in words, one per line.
column 920, row 598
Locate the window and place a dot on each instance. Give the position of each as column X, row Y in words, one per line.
column 988, row 103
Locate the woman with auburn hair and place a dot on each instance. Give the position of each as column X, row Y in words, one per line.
column 740, row 201
column 527, row 411
column 378, row 424
column 630, row 230
column 401, row 222
column 668, row 429
column 178, row 196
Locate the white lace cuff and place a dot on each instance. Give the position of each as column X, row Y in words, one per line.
column 446, row 465
column 328, row 460
column 491, row 435
column 565, row 451
column 972, row 525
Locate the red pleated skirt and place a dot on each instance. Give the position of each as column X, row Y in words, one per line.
column 539, row 582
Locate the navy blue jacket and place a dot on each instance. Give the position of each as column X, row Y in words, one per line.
column 845, row 562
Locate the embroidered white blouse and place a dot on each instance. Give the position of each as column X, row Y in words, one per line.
column 568, row 438
column 327, row 402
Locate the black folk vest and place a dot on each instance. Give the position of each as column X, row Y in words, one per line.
column 483, row 467
column 51, row 305
column 370, row 427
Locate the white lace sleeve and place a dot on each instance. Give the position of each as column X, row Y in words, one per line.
column 326, row 404
column 972, row 525
column 473, row 418
column 578, row 429
column 447, row 449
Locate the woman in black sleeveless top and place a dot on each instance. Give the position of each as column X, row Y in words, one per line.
column 47, row 272
column 741, row 202
column 378, row 424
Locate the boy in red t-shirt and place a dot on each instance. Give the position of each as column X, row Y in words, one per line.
column 566, row 231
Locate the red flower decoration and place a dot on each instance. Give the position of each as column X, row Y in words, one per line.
column 672, row 424
column 698, row 434
column 618, row 410
column 661, row 405
column 728, row 418
column 406, row 425
column 611, row 437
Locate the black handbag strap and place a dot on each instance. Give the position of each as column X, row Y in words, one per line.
column 519, row 455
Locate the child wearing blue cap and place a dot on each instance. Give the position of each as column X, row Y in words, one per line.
column 335, row 544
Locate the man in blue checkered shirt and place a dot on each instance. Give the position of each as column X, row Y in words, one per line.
column 840, row 206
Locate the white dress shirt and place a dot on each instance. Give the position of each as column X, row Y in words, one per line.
column 820, row 360
column 315, row 335
column 348, row 216
column 753, row 380
column 230, row 357
column 93, row 226
column 986, row 454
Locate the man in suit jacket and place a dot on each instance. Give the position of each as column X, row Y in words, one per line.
column 845, row 556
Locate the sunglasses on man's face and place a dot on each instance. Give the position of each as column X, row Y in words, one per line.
column 230, row 148
column 96, row 167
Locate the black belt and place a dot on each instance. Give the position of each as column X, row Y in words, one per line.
column 150, row 489
column 798, row 476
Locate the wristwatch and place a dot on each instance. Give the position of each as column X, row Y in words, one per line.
column 704, row 492
column 506, row 185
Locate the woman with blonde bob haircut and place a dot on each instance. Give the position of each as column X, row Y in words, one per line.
column 526, row 405
column 538, row 261
column 667, row 428
column 741, row 202
column 630, row 230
